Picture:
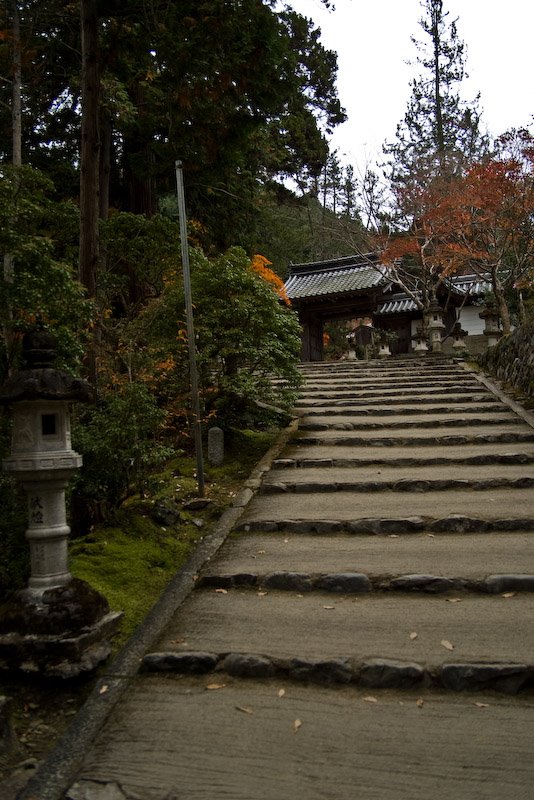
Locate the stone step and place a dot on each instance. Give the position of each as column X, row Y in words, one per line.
column 401, row 421
column 431, row 390
column 339, row 455
column 419, row 437
column 392, row 512
column 393, row 402
column 398, row 479
column 473, row 556
column 270, row 740
column 446, row 643
column 413, row 385
column 349, row 583
column 372, row 410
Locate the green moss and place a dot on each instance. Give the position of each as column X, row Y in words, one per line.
column 131, row 561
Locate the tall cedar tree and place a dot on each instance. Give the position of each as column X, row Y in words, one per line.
column 440, row 132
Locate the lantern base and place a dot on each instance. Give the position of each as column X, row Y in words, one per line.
column 58, row 633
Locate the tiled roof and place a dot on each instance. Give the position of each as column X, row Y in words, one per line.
column 337, row 276
column 469, row 284
column 396, row 305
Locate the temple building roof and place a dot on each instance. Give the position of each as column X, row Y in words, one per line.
column 335, row 276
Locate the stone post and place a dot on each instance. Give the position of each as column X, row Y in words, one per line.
column 216, row 446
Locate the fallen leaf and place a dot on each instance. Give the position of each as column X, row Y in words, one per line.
column 393, row 536
column 431, row 536
column 328, row 608
column 419, row 702
column 296, row 725
column 244, row 709
column 262, row 594
column 221, row 591
column 482, row 705
column 261, row 552
column 447, row 645
column 370, row 699
column 212, row 686
column 508, row 594
column 413, row 635
column 103, row 689
column 454, row 600
column 286, row 541
column 281, row 692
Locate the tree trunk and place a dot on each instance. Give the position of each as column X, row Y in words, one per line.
column 502, row 305
column 90, row 149
column 16, row 128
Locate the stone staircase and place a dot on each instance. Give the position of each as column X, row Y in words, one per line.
column 390, row 545
column 366, row 630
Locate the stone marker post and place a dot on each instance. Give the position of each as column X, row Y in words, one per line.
column 216, row 446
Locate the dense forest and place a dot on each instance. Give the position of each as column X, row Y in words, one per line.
column 98, row 100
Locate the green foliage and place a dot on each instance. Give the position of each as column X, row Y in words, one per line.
column 119, row 442
column 40, row 236
column 139, row 253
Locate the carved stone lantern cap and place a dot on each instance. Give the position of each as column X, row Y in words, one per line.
column 39, row 379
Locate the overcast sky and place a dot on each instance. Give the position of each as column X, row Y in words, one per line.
column 372, row 40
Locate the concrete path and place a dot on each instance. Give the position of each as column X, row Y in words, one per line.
column 365, row 631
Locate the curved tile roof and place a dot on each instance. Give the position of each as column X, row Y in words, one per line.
column 337, row 276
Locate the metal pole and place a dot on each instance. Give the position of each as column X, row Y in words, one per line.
column 190, row 327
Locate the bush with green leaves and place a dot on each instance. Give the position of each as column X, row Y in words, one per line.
column 120, row 440
column 40, row 237
column 245, row 337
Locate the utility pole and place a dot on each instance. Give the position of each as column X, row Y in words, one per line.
column 190, row 327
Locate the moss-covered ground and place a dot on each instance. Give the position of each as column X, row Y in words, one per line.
column 132, row 558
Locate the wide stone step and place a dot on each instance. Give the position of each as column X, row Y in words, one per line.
column 339, row 455
column 374, row 410
column 391, row 392
column 471, row 556
column 389, row 387
column 392, row 512
column 243, row 742
column 398, row 479
column 436, row 637
column 393, row 402
column 402, row 421
column 454, row 435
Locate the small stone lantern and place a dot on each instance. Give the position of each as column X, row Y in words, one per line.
column 491, row 317
column 435, row 327
column 54, row 605
column 459, row 336
column 420, row 340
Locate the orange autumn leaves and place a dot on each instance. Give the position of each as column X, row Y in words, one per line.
column 259, row 264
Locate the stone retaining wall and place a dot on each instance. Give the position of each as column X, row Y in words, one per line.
column 512, row 360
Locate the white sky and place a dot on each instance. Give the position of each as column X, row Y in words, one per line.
column 372, row 40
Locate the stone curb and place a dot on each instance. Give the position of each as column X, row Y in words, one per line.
column 408, row 441
column 402, row 461
column 403, row 485
column 377, row 673
column 54, row 776
column 454, row 523
column 526, row 416
column 357, row 583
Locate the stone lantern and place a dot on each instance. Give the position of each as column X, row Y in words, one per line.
column 56, row 625
column 435, row 327
column 419, row 338
column 491, row 317
column 459, row 336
